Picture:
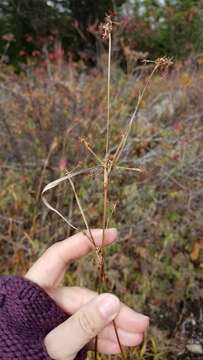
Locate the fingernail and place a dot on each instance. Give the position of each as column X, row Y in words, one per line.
column 108, row 306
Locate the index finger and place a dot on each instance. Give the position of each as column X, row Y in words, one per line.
column 50, row 267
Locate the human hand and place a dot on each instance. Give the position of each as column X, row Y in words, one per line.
column 92, row 314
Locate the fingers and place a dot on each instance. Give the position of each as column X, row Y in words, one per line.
column 130, row 325
column 72, row 298
column 68, row 338
column 50, row 267
column 107, row 346
column 126, row 338
column 132, row 321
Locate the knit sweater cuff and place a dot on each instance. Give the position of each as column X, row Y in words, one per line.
column 27, row 315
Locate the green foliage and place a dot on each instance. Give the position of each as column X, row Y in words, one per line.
column 31, row 23
column 173, row 27
column 88, row 11
column 35, row 25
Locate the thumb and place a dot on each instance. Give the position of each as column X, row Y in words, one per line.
column 64, row 342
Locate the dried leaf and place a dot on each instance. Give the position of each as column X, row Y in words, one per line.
column 55, row 183
column 195, row 252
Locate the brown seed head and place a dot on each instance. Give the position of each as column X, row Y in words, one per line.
column 106, row 27
column 163, row 62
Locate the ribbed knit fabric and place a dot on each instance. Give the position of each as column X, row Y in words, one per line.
column 27, row 315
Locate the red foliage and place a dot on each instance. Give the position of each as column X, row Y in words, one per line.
column 178, row 126
column 22, row 53
column 8, row 37
column 36, row 53
column 28, row 38
column 56, row 55
column 62, row 164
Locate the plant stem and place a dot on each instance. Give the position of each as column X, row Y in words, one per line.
column 95, row 348
column 106, row 184
column 105, row 166
column 122, row 143
column 116, row 332
column 108, row 98
column 107, row 169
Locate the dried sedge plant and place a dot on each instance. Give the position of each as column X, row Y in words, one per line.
column 107, row 165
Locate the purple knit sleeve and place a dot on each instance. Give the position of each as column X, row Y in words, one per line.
column 27, row 315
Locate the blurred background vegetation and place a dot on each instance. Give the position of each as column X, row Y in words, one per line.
column 30, row 28
column 53, row 70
